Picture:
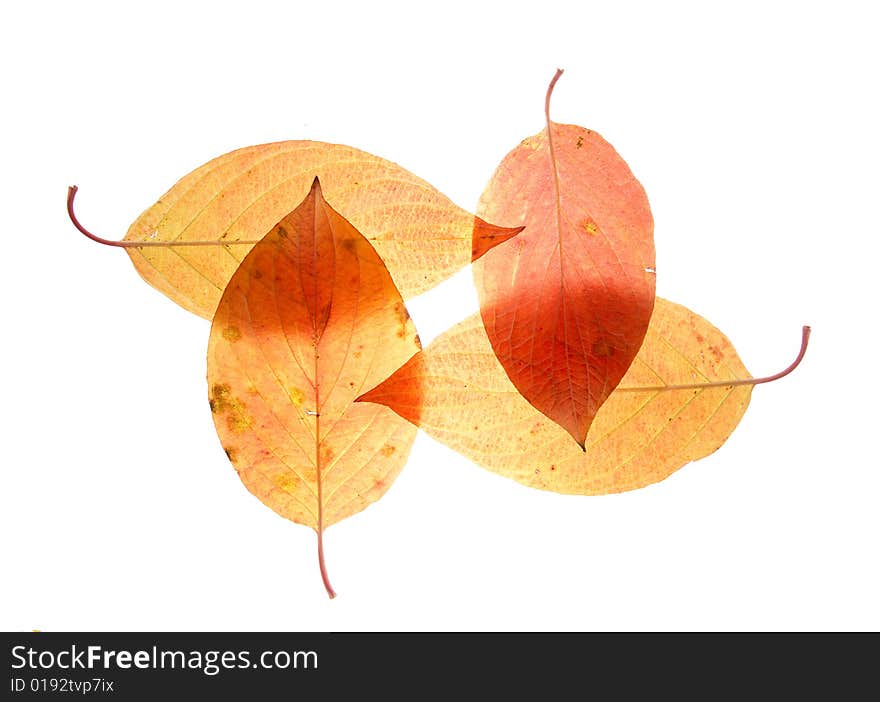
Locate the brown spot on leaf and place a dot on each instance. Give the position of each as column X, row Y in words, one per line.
column 402, row 318
column 239, row 422
column 222, row 401
column 387, row 450
column 284, row 481
column 230, row 453
column 590, row 227
column 601, row 349
column 580, row 142
column 400, row 311
column 296, row 395
column 231, row 334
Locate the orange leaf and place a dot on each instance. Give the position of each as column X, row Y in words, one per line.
column 310, row 320
column 190, row 242
column 567, row 302
column 457, row 391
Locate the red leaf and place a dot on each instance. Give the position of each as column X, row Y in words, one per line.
column 566, row 303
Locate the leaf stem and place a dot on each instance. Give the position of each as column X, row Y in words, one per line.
column 71, row 194
column 805, row 338
column 330, row 591
column 553, row 156
column 559, row 72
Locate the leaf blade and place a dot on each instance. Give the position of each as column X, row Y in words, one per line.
column 637, row 438
column 421, row 235
column 567, row 302
column 310, row 319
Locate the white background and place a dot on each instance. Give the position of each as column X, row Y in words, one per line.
column 754, row 131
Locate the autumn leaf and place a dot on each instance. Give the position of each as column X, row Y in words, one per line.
column 567, row 302
column 190, row 242
column 309, row 321
column 660, row 417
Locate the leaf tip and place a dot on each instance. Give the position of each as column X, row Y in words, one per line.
column 579, row 435
column 487, row 236
column 377, row 395
column 403, row 391
column 364, row 397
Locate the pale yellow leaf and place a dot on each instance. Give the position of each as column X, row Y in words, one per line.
column 457, row 391
column 215, row 214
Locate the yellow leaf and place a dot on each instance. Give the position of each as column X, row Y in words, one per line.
column 214, row 215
